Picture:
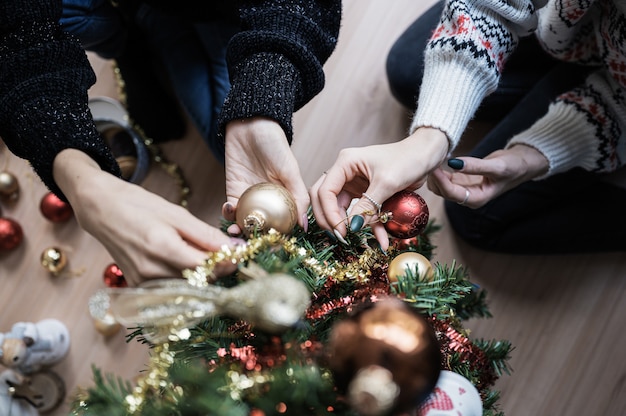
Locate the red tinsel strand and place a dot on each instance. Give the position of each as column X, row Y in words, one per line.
column 453, row 342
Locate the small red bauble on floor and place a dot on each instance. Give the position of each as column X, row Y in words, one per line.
column 11, row 234
column 113, row 276
column 54, row 209
column 405, row 214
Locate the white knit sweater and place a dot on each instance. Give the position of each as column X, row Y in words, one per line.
column 585, row 127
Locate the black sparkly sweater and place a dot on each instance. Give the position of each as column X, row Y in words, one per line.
column 44, row 78
column 275, row 62
column 275, row 66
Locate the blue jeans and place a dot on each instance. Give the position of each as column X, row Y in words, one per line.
column 192, row 56
column 572, row 212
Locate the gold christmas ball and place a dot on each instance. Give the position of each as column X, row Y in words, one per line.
column 107, row 326
column 410, row 260
column 264, row 206
column 9, row 185
column 54, row 260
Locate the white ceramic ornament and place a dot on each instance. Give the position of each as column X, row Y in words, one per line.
column 454, row 395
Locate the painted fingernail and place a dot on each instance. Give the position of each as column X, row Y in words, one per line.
column 237, row 241
column 356, row 223
column 330, row 235
column 305, row 222
column 456, row 164
column 228, row 208
column 340, row 237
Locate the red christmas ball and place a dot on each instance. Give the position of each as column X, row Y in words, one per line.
column 55, row 209
column 406, row 214
column 11, row 234
column 113, row 276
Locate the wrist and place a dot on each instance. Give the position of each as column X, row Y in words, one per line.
column 431, row 142
column 74, row 172
column 537, row 163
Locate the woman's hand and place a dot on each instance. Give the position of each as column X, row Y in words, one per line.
column 377, row 171
column 147, row 236
column 475, row 181
column 257, row 151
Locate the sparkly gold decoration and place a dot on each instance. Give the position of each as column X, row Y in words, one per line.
column 166, row 308
column 264, row 206
column 410, row 260
column 156, row 379
column 359, row 270
column 54, row 260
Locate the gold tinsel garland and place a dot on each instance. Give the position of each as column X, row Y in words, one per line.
column 156, row 378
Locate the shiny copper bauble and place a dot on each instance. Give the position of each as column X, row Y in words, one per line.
column 405, row 214
column 113, row 276
column 419, row 265
column 54, row 209
column 264, row 206
column 389, row 347
column 11, row 234
column 53, row 259
column 107, row 325
column 9, row 185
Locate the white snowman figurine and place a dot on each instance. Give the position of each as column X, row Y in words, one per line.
column 30, row 347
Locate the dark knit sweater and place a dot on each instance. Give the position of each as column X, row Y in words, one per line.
column 44, row 78
column 275, row 66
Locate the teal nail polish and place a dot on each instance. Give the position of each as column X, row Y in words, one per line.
column 456, row 164
column 356, row 223
column 330, row 235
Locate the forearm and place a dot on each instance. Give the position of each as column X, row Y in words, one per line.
column 44, row 78
column 581, row 129
column 275, row 62
column 464, row 59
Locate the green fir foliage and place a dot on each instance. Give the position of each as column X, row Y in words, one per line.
column 204, row 383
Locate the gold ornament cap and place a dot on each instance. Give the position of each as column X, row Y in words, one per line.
column 265, row 206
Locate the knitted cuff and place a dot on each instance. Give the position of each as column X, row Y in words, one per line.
column 563, row 138
column 263, row 85
column 59, row 123
column 449, row 96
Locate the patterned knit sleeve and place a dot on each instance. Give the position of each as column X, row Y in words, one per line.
column 275, row 62
column 44, row 78
column 585, row 127
column 464, row 58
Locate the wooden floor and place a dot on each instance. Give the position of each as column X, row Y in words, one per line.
column 565, row 315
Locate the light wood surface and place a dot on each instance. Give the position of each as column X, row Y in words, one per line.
column 565, row 315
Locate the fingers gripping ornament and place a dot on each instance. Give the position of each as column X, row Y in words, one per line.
column 385, row 358
column 405, row 214
column 264, row 206
column 167, row 308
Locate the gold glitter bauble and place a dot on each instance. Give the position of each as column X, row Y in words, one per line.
column 9, row 185
column 54, row 260
column 410, row 259
column 107, row 326
column 264, row 206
